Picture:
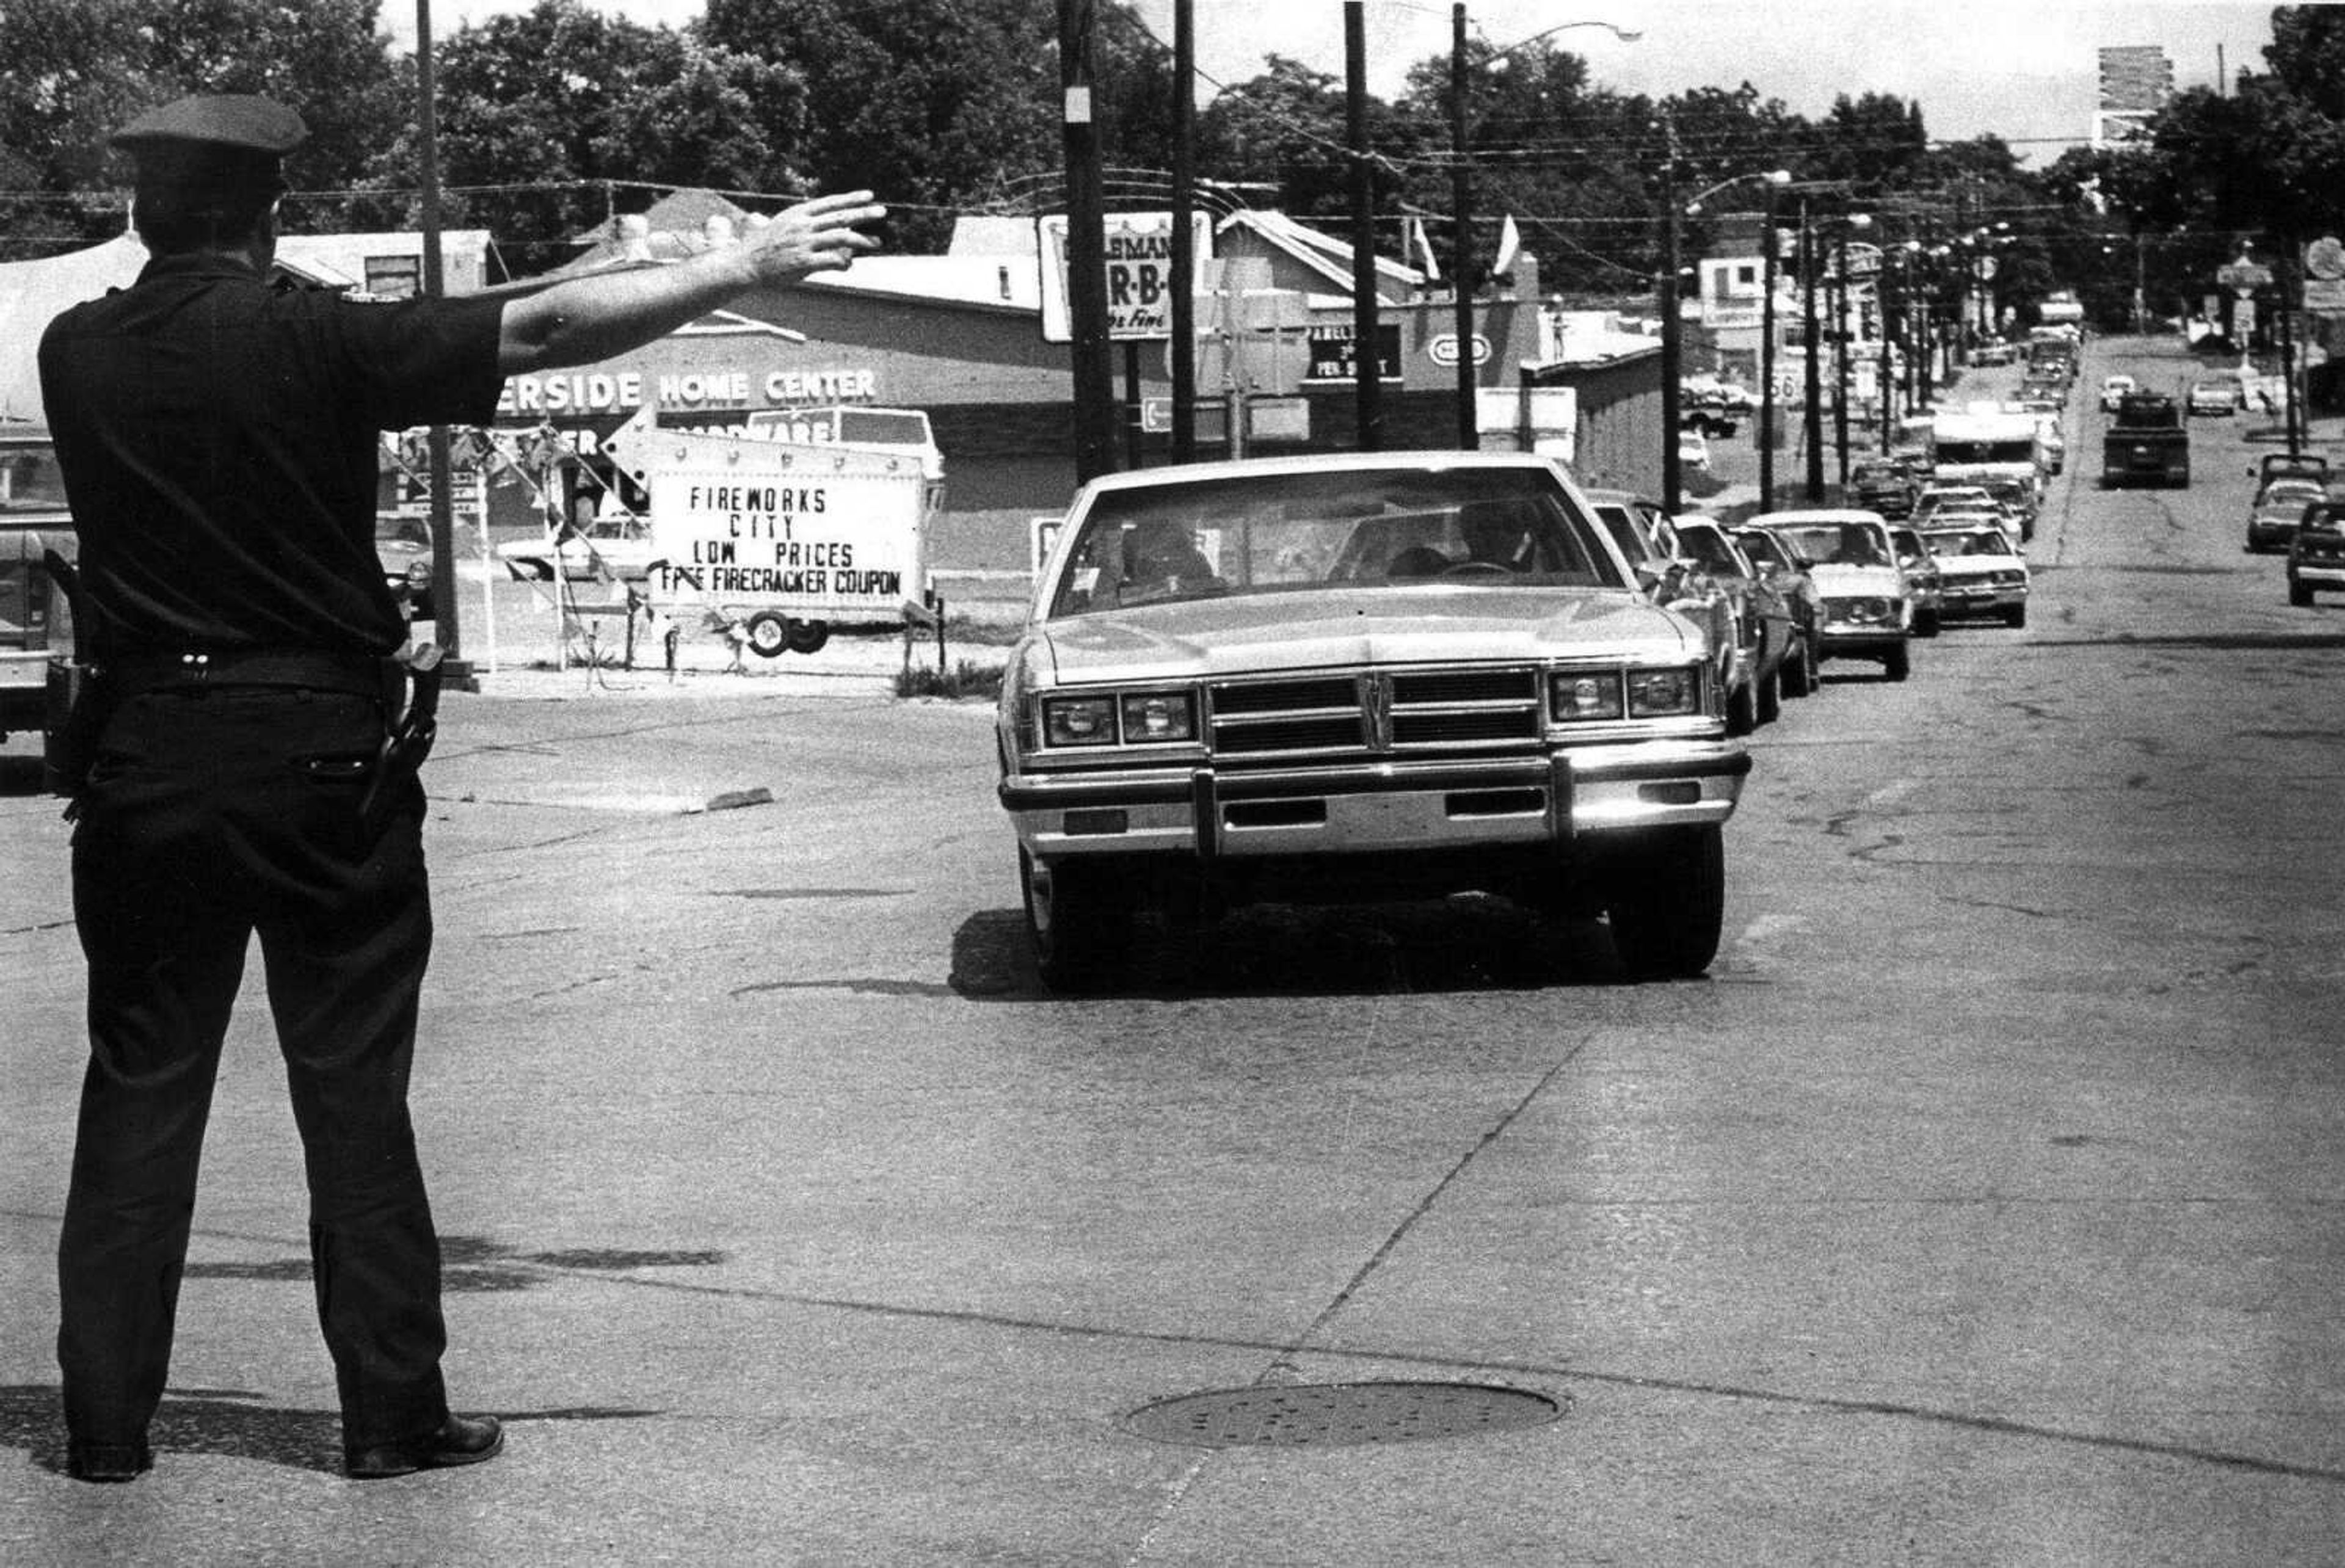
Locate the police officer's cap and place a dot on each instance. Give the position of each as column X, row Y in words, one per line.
column 229, row 122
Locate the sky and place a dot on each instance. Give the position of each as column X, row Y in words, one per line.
column 2025, row 70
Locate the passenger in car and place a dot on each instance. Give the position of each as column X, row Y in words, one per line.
column 1856, row 546
column 1161, row 556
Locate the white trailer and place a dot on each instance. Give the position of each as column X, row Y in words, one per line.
column 783, row 537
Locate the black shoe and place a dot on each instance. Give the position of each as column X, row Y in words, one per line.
column 458, row 1441
column 107, row 1461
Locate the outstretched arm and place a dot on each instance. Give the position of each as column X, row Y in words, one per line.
column 583, row 319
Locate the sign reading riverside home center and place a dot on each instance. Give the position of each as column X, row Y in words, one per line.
column 825, row 531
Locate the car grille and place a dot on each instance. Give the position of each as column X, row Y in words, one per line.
column 1375, row 712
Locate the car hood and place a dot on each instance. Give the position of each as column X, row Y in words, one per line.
column 1968, row 566
column 1857, row 582
column 1268, row 633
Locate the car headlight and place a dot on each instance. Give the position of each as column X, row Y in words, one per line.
column 1668, row 694
column 1078, row 721
column 1159, row 716
column 1577, row 696
column 1120, row 718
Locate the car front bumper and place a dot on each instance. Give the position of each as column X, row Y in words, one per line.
column 1982, row 599
column 1381, row 807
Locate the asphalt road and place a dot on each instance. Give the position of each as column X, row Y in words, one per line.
column 1981, row 1207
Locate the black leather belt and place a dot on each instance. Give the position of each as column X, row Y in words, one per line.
column 301, row 669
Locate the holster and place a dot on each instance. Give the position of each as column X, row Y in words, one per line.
column 414, row 724
column 77, row 703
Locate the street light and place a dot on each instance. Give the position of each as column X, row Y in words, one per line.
column 1672, row 329
column 1461, row 193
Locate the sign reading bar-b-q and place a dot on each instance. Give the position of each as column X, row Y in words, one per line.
column 1139, row 273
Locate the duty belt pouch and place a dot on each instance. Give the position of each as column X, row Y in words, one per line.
column 412, row 725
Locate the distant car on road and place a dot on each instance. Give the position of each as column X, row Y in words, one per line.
column 1981, row 575
column 2220, row 398
column 2112, row 391
column 2273, row 518
column 1868, row 604
column 2316, row 556
column 1693, row 451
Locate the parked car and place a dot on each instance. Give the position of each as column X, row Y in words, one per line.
column 1762, row 623
column 1868, row 605
column 615, row 546
column 1649, row 540
column 2113, row 391
column 2316, row 556
column 2213, row 397
column 402, row 544
column 2273, row 518
column 1982, row 574
column 1693, row 449
column 1922, row 577
column 1406, row 674
column 1803, row 668
column 1883, row 485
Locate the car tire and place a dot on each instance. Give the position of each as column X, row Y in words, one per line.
column 1743, row 708
column 769, row 634
column 1079, row 918
column 2300, row 595
column 1666, row 901
column 1898, row 664
column 2017, row 616
column 1925, row 624
column 1770, row 701
column 1799, row 669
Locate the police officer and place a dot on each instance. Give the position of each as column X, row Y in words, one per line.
column 216, row 438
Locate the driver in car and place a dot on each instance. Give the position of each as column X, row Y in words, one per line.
column 1161, row 556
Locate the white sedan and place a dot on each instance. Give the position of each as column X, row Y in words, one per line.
column 618, row 547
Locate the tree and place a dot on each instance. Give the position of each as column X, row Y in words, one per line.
column 936, row 104
column 570, row 113
column 78, row 69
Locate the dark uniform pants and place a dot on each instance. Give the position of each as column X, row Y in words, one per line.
column 212, row 814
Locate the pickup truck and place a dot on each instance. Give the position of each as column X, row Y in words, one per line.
column 2146, row 443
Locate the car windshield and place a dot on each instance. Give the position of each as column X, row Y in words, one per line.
column 1836, row 543
column 1623, row 530
column 402, row 530
column 1973, row 541
column 1709, row 548
column 1362, row 528
column 2288, row 494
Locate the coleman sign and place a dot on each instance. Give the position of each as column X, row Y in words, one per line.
column 1138, row 259
column 827, row 532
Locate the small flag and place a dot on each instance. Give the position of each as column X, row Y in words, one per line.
column 1510, row 245
column 1424, row 250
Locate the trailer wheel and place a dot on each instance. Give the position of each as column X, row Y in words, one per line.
column 807, row 636
column 769, row 634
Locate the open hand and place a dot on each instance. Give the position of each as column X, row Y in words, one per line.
column 821, row 235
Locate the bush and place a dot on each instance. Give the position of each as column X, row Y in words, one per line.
column 964, row 681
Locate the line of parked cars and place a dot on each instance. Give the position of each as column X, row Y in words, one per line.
column 2299, row 507
column 1367, row 676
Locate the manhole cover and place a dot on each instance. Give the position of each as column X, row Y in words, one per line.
column 1327, row 1415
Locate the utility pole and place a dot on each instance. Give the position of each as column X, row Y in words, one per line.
column 447, row 630
column 1461, row 195
column 1673, row 328
column 1841, row 334
column 1366, row 315
column 1767, row 409
column 1812, row 425
column 1092, row 360
column 1184, row 248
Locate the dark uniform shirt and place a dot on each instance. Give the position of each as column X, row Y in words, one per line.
column 216, row 435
